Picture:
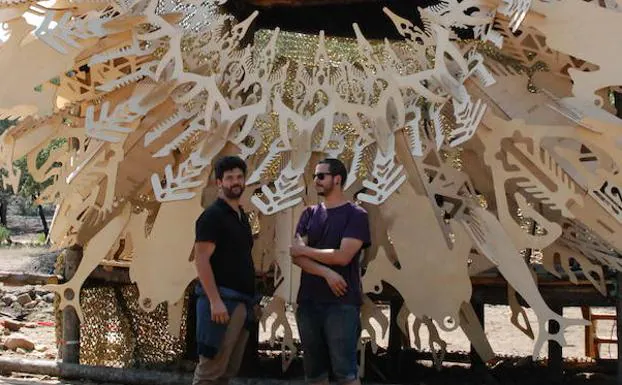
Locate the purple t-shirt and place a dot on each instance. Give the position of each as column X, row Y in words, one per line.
column 324, row 229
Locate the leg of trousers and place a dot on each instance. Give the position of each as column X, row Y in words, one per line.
column 225, row 365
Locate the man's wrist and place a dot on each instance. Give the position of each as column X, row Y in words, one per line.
column 326, row 271
column 216, row 299
column 305, row 251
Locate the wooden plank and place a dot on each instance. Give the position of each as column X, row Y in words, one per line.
column 542, row 281
column 115, row 263
column 568, row 296
column 619, row 326
column 70, row 349
column 94, row 373
column 396, row 339
column 605, row 317
column 119, row 275
column 589, row 332
column 605, row 340
column 12, row 278
column 555, row 360
column 476, row 361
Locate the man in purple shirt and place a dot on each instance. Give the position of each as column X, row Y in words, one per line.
column 329, row 297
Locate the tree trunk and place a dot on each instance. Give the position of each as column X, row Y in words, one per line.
column 4, row 205
column 43, row 221
column 618, row 103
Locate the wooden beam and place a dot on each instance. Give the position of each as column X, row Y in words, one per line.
column 556, row 370
column 542, row 281
column 619, row 326
column 70, row 348
column 396, row 340
column 586, row 312
column 109, row 274
column 93, row 373
column 566, row 294
column 13, row 278
column 476, row 361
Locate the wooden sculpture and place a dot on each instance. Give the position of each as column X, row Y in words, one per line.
column 145, row 95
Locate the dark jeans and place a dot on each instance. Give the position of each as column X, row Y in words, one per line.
column 330, row 335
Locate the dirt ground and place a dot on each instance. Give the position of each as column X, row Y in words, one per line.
column 38, row 325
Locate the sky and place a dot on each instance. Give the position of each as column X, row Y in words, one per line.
column 30, row 19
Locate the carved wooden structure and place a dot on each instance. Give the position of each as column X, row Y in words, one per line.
column 453, row 144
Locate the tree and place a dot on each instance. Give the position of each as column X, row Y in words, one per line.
column 4, row 195
column 28, row 187
column 31, row 189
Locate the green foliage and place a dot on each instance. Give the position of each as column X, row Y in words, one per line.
column 30, row 188
column 41, row 239
column 5, row 234
column 25, row 207
column 6, row 123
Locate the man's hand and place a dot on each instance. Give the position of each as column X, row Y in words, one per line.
column 220, row 315
column 336, row 282
column 299, row 241
column 297, row 249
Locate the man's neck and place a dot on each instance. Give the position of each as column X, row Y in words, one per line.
column 334, row 200
column 234, row 203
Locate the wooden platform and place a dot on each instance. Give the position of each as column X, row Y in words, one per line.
column 492, row 290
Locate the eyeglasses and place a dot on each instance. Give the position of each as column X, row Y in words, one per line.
column 321, row 175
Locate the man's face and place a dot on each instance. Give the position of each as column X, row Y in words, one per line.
column 232, row 183
column 324, row 181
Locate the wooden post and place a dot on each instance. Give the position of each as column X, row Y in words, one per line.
column 395, row 336
column 11, row 278
column 590, row 331
column 619, row 325
column 191, row 325
column 555, row 350
column 476, row 361
column 99, row 374
column 70, row 349
column 618, row 294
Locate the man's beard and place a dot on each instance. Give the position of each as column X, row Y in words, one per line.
column 231, row 194
column 323, row 191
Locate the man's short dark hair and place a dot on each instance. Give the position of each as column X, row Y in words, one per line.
column 336, row 167
column 228, row 163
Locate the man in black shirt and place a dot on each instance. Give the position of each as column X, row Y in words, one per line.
column 226, row 278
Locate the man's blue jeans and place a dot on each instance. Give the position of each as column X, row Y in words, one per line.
column 330, row 334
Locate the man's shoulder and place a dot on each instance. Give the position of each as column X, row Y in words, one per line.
column 349, row 206
column 213, row 209
column 310, row 209
column 358, row 209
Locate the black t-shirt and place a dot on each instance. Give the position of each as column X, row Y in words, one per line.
column 232, row 261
